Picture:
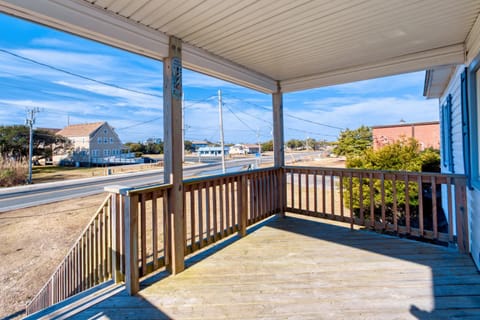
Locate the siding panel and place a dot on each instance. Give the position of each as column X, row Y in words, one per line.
column 457, row 138
column 473, row 195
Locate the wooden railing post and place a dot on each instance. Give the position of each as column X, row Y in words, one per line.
column 282, row 192
column 116, row 193
column 461, row 215
column 132, row 284
column 243, row 198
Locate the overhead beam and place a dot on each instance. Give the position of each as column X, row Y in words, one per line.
column 472, row 42
column 87, row 21
column 95, row 23
column 449, row 55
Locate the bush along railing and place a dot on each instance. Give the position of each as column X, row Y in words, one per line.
column 87, row 264
column 423, row 205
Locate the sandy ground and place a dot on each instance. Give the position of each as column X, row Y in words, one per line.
column 35, row 240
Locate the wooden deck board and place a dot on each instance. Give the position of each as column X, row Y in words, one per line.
column 302, row 268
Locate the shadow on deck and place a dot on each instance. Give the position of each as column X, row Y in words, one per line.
column 302, row 268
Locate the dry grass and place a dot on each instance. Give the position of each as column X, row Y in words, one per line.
column 34, row 241
column 12, row 172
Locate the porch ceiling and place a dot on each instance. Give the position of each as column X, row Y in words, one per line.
column 303, row 43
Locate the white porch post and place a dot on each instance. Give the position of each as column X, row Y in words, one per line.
column 278, row 146
column 278, row 137
column 172, row 126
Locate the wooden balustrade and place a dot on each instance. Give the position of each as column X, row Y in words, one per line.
column 404, row 203
column 86, row 264
column 130, row 235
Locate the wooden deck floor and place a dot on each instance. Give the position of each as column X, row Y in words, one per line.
column 302, row 268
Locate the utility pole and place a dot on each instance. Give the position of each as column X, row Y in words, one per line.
column 30, row 121
column 222, row 143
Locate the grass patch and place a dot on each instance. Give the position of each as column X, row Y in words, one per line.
column 12, row 172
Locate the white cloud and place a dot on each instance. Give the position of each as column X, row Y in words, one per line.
column 198, row 80
column 131, row 98
column 52, row 42
column 379, row 85
column 373, row 111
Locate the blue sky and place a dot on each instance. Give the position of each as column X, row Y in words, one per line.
column 45, row 68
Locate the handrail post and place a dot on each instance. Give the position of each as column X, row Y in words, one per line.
column 124, row 234
column 461, row 215
column 243, row 197
column 282, row 180
column 116, row 194
column 132, row 283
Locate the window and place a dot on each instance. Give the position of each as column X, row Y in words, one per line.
column 447, row 154
column 105, row 140
column 111, row 140
column 99, row 140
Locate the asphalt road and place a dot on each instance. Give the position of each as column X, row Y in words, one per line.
column 33, row 195
column 29, row 196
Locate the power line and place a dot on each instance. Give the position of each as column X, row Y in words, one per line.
column 78, row 75
column 246, row 125
column 292, row 116
column 313, row 122
column 139, row 123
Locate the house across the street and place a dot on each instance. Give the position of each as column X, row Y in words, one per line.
column 93, row 143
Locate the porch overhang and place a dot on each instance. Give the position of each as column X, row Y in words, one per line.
column 260, row 44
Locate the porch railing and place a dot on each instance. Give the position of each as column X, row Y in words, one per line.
column 131, row 229
column 424, row 205
column 86, row 264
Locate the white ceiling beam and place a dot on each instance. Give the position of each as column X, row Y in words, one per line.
column 450, row 55
column 82, row 19
column 472, row 42
column 201, row 61
column 88, row 21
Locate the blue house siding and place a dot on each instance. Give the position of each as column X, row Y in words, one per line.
column 454, row 88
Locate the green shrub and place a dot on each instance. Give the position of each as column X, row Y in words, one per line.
column 403, row 155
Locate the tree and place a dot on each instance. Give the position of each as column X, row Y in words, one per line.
column 295, row 144
column 310, row 143
column 267, row 146
column 14, row 142
column 46, row 143
column 403, row 155
column 136, row 147
column 188, row 145
column 353, row 142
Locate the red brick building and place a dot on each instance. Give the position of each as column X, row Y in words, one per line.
column 427, row 134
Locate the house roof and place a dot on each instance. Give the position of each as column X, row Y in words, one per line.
column 296, row 45
column 80, row 130
column 199, row 142
column 427, row 123
column 436, row 81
